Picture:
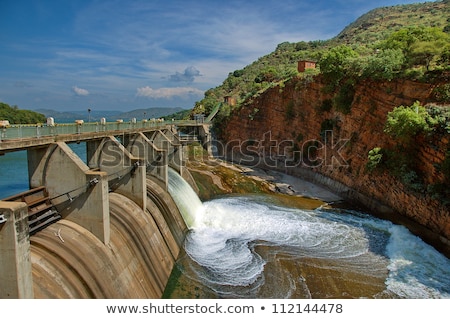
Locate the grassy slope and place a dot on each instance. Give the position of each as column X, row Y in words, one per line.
column 281, row 64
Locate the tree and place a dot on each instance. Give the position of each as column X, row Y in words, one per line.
column 336, row 63
column 420, row 45
column 16, row 116
column 405, row 122
column 384, row 65
column 425, row 52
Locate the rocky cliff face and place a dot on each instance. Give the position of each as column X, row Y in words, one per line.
column 293, row 127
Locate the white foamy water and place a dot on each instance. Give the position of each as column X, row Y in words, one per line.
column 224, row 236
column 185, row 198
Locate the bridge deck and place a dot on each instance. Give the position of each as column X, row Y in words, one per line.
column 20, row 137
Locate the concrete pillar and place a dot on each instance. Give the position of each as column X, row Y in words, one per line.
column 91, row 148
column 36, row 163
column 16, row 279
column 79, row 194
column 156, row 160
column 126, row 173
column 174, row 150
column 205, row 136
column 90, row 209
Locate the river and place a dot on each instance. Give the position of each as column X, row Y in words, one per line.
column 254, row 247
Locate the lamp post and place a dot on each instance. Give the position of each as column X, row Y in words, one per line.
column 89, row 115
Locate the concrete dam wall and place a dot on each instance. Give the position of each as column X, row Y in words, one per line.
column 68, row 261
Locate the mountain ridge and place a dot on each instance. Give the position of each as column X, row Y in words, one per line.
column 94, row 115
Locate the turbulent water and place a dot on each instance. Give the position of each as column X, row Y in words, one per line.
column 250, row 247
column 185, row 198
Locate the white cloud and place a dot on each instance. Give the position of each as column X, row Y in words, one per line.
column 80, row 91
column 167, row 93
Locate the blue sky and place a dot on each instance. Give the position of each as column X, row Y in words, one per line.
column 129, row 54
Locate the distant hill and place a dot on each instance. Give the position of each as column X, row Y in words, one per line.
column 378, row 23
column 14, row 115
column 155, row 112
column 68, row 117
column 363, row 37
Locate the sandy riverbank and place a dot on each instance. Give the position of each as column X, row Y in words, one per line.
column 233, row 178
column 291, row 185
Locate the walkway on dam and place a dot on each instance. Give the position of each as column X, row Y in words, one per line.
column 18, row 137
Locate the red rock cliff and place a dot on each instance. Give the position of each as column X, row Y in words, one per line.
column 292, row 118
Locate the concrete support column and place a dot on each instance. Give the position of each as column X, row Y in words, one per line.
column 16, row 279
column 91, row 148
column 205, row 137
column 91, row 208
column 78, row 193
column 155, row 159
column 174, row 150
column 126, row 173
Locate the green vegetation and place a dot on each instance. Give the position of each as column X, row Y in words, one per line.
column 377, row 24
column 404, row 123
column 181, row 115
column 405, row 41
column 400, row 42
column 374, row 158
column 16, row 116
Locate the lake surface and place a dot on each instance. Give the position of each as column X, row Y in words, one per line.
column 14, row 170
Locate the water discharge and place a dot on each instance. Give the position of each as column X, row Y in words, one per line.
column 185, row 198
column 251, row 247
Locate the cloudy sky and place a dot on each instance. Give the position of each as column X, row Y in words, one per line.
column 129, row 54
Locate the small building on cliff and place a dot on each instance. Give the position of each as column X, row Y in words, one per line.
column 230, row 100
column 303, row 65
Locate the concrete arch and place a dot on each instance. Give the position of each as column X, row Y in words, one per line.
column 70, row 262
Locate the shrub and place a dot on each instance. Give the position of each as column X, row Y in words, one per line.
column 405, row 122
column 442, row 93
column 374, row 158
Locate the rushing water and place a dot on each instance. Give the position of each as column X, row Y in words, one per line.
column 185, row 198
column 251, row 247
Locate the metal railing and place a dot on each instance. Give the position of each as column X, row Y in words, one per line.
column 20, row 131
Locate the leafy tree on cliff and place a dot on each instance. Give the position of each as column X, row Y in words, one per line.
column 405, row 122
column 426, row 52
column 384, row 65
column 420, row 45
column 336, row 63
